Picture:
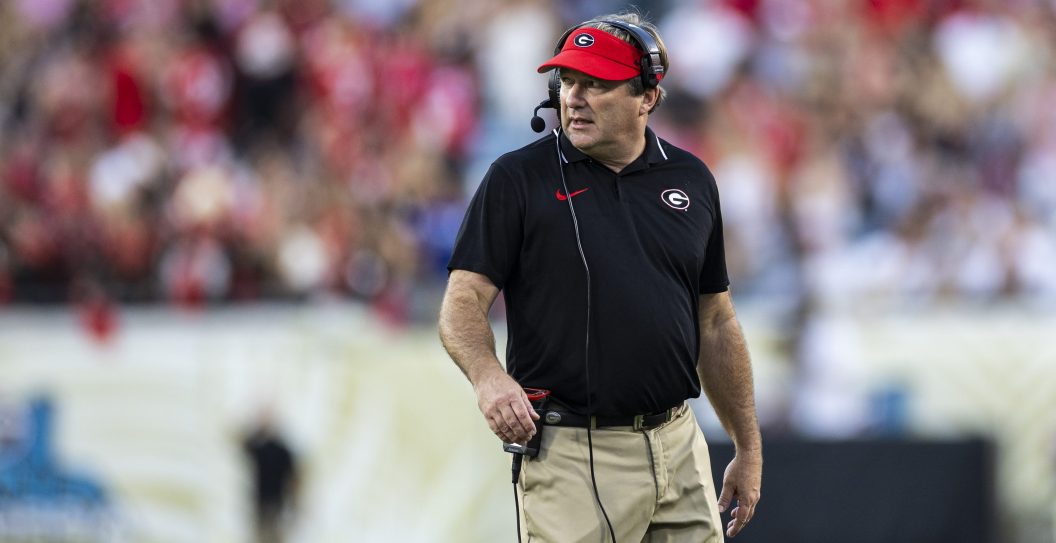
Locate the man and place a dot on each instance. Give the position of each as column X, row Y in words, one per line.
column 607, row 243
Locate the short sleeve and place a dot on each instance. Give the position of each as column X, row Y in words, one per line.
column 489, row 240
column 713, row 276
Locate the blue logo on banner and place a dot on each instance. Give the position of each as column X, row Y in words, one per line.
column 39, row 500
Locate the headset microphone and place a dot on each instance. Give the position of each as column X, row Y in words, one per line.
column 538, row 124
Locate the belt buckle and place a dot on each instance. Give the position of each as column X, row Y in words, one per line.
column 638, row 422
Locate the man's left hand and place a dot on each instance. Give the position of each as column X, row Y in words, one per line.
column 742, row 481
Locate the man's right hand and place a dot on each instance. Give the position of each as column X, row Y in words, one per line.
column 505, row 406
column 466, row 334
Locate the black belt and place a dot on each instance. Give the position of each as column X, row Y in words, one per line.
column 554, row 417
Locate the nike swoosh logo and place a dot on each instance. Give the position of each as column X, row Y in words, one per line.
column 562, row 197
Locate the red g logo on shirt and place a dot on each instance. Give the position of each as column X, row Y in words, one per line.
column 675, row 198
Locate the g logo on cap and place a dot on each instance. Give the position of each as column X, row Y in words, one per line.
column 583, row 40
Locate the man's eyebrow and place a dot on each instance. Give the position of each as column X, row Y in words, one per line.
column 584, row 76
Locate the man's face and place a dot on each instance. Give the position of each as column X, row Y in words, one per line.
column 599, row 117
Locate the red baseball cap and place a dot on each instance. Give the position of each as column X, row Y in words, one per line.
column 597, row 54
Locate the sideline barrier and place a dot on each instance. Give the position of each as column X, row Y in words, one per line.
column 872, row 491
column 393, row 446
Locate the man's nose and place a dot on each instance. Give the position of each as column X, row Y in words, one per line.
column 574, row 96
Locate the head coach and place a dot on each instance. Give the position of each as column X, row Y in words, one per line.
column 607, row 244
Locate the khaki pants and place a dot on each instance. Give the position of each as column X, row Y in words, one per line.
column 655, row 485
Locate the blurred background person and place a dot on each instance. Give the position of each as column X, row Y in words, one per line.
column 275, row 479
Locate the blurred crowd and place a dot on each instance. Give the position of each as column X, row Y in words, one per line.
column 204, row 151
column 198, row 152
column 876, row 151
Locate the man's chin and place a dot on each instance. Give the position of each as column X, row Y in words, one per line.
column 580, row 140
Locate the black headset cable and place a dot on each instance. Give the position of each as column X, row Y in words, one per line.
column 586, row 353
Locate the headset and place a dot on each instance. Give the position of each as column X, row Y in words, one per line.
column 652, row 66
column 652, row 71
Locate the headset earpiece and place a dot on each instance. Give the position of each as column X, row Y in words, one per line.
column 652, row 66
column 554, row 86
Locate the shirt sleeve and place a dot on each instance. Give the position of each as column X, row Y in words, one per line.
column 489, row 240
column 713, row 276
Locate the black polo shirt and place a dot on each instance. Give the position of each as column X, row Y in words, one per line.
column 652, row 236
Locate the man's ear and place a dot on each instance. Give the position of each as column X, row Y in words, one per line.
column 649, row 99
